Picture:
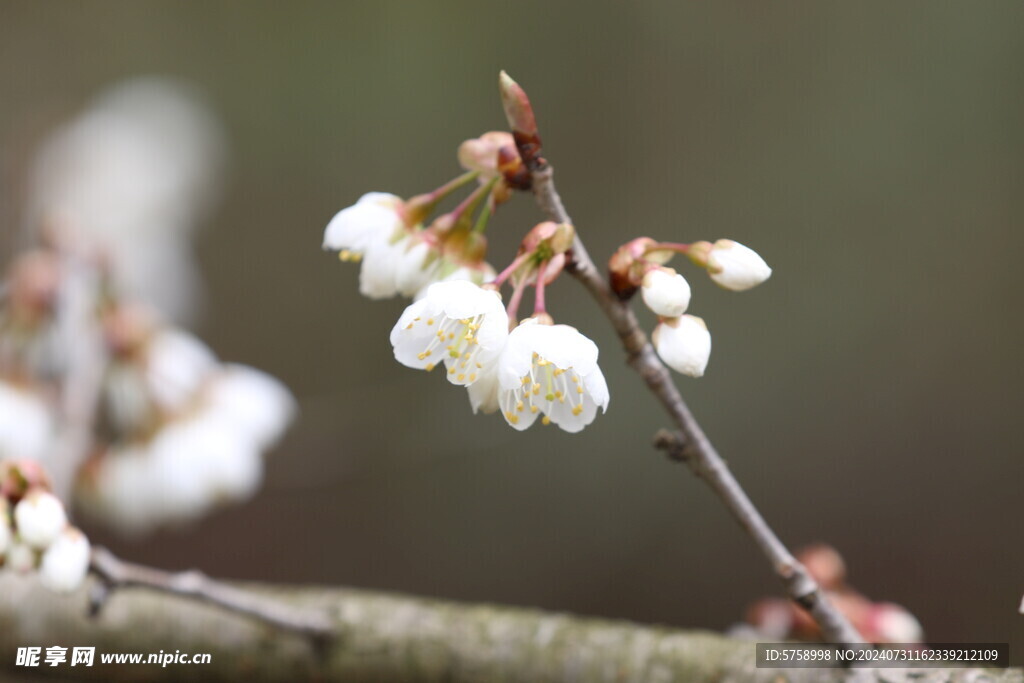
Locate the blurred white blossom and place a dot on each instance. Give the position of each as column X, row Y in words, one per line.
column 39, row 518
column 26, row 424
column 135, row 174
column 65, row 562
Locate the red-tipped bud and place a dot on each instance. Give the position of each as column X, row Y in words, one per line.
column 625, row 267
column 548, row 239
column 521, row 120
column 825, row 565
column 18, row 477
column 482, row 154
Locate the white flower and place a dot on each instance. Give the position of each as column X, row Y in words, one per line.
column 666, row 292
column 550, row 370
column 456, row 322
column 373, row 219
column 684, row 343
column 26, row 426
column 177, row 366
column 735, row 266
column 371, row 229
column 39, row 518
column 254, row 403
column 21, row 557
column 66, row 561
column 125, row 491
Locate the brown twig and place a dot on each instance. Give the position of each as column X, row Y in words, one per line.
column 114, row 574
column 688, row 444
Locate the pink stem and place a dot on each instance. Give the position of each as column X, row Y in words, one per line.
column 514, row 301
column 538, row 302
column 512, row 267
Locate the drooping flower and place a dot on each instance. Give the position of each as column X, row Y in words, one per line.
column 457, row 323
column 66, row 561
column 735, row 266
column 373, row 229
column 684, row 343
column 550, row 371
column 665, row 292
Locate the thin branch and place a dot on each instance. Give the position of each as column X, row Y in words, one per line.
column 689, row 444
column 115, row 574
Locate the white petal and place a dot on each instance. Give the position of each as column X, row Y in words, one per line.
column 39, row 518
column 684, row 344
column 483, row 393
column 66, row 561
column 377, row 275
column 372, row 218
column 415, row 268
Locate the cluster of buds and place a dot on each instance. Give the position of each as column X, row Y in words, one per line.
column 185, row 432
column 34, row 529
column 528, row 370
column 404, row 250
column 877, row 622
column 682, row 340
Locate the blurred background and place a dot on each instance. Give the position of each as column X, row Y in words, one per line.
column 868, row 395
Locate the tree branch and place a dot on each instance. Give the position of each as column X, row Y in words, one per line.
column 389, row 638
column 689, row 444
column 115, row 574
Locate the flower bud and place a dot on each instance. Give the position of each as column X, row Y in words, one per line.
column 20, row 558
column 684, row 344
column 482, row 154
column 666, row 292
column 735, row 266
column 825, row 565
column 39, row 518
column 519, row 113
column 66, row 561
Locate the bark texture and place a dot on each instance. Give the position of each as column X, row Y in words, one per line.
column 383, row 637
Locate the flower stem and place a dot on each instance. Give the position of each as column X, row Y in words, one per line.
column 511, row 268
column 514, row 301
column 452, row 185
column 538, row 302
column 485, row 215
